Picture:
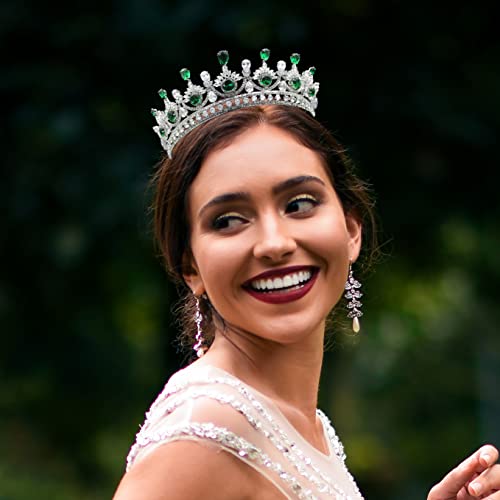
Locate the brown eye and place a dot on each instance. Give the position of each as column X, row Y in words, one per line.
column 300, row 204
column 227, row 221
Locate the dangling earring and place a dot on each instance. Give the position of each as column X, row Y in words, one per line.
column 198, row 347
column 352, row 294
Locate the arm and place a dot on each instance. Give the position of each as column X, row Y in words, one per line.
column 476, row 477
column 190, row 470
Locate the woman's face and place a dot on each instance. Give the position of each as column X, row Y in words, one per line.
column 265, row 204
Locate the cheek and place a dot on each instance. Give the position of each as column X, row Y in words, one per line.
column 327, row 237
column 219, row 261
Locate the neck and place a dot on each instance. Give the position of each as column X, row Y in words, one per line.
column 289, row 374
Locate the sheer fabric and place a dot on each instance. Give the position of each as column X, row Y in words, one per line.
column 208, row 405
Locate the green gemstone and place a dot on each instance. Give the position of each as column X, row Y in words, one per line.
column 264, row 54
column 312, row 70
column 295, row 58
column 154, row 111
column 265, row 81
column 312, row 92
column 296, row 83
column 185, row 74
column 223, row 57
column 171, row 117
column 195, row 99
column 228, row 85
column 162, row 93
column 163, row 132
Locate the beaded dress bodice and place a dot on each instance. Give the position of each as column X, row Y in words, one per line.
column 208, row 405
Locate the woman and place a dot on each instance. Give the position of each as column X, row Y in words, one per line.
column 261, row 218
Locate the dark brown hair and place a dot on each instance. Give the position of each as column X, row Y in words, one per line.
column 173, row 178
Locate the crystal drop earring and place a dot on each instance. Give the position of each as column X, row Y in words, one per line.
column 198, row 346
column 352, row 294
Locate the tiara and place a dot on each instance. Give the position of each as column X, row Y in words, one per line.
column 232, row 90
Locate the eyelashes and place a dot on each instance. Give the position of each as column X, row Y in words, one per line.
column 300, row 201
column 301, row 204
column 224, row 221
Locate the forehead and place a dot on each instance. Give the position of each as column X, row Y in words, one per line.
column 257, row 159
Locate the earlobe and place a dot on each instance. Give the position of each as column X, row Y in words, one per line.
column 355, row 230
column 191, row 274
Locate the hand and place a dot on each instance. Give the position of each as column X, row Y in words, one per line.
column 476, row 477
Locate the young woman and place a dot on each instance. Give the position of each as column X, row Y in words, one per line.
column 260, row 217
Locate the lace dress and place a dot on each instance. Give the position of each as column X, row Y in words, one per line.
column 209, row 405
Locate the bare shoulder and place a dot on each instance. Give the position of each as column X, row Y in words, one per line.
column 191, row 470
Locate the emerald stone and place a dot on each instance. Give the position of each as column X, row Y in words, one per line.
column 295, row 58
column 296, row 83
column 195, row 99
column 154, row 111
column 185, row 74
column 228, row 85
column 264, row 54
column 312, row 92
column 162, row 93
column 266, row 80
column 163, row 131
column 171, row 117
column 223, row 57
column 312, row 70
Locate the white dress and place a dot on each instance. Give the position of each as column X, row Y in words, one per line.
column 209, row 405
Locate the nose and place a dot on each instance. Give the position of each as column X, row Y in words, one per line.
column 274, row 242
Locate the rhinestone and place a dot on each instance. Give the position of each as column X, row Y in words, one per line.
column 249, row 87
column 212, row 96
column 176, row 94
column 237, row 101
column 205, row 76
column 162, row 93
column 312, row 70
column 163, row 132
column 195, row 100
column 185, row 74
column 295, row 58
column 281, row 66
column 264, row 54
column 295, row 83
column 228, row 85
column 311, row 92
column 171, row 117
column 223, row 57
column 220, row 107
column 154, row 112
column 266, row 80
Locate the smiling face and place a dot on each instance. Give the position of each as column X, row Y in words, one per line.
column 264, row 216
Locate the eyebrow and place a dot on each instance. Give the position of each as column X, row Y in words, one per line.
column 277, row 189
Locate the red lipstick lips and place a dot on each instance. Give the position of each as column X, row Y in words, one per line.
column 284, row 295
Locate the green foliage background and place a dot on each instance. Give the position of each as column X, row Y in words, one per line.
column 411, row 88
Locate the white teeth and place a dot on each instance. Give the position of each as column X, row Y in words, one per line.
column 278, row 283
column 282, row 282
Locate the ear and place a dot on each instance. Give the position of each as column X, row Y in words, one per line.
column 354, row 230
column 191, row 274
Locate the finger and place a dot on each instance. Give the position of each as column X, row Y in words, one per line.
column 493, row 496
column 487, row 482
column 477, row 463
column 488, row 455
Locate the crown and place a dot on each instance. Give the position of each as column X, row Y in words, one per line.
column 232, row 90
